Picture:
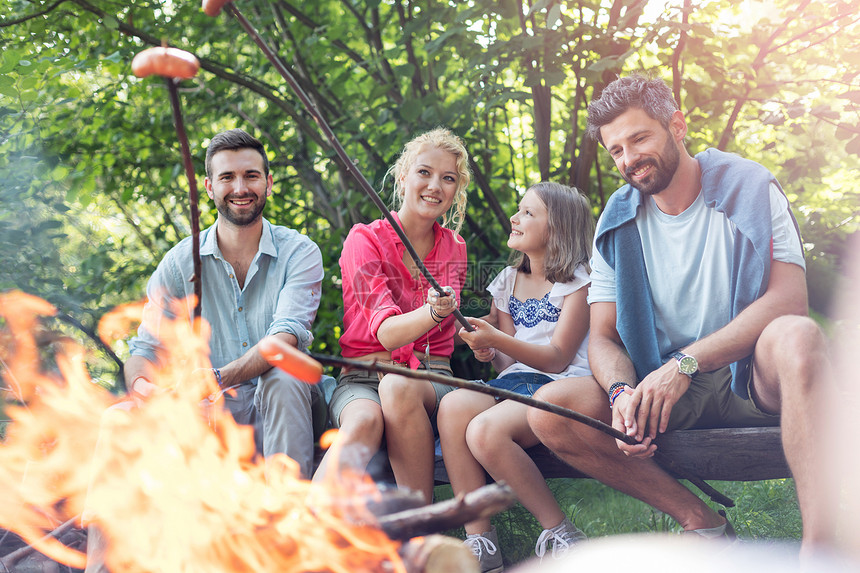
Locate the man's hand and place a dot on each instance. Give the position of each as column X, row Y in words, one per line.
column 646, row 412
column 140, row 389
column 644, row 449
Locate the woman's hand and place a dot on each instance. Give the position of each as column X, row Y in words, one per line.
column 442, row 306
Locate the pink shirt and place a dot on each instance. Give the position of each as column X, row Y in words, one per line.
column 376, row 285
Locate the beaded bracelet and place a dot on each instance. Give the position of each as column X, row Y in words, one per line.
column 616, row 390
column 217, row 374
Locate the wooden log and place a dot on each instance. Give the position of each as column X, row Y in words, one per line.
column 730, row 454
column 484, row 502
column 438, row 554
column 7, row 562
column 393, row 500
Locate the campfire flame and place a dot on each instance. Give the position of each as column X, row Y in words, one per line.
column 172, row 485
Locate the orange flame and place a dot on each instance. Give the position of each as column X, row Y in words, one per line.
column 169, row 490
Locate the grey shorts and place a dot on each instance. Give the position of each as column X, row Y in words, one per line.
column 364, row 385
column 710, row 403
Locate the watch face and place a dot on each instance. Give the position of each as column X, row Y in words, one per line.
column 688, row 365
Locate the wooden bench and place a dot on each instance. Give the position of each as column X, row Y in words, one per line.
column 730, row 454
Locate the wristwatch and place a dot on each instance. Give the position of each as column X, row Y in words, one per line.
column 686, row 363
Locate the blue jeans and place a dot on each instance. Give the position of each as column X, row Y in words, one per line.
column 525, row 383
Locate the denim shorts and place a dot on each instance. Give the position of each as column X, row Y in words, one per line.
column 710, row 403
column 524, row 383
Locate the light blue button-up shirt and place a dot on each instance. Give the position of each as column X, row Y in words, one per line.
column 281, row 293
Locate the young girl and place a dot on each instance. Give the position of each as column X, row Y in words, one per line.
column 391, row 313
column 541, row 336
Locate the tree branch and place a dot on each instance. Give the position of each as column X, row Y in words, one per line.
column 758, row 62
column 252, row 84
column 405, row 18
column 811, row 30
column 676, row 56
column 91, row 334
column 22, row 19
column 481, row 234
column 147, row 242
column 359, row 18
column 375, row 40
column 492, row 201
column 304, row 19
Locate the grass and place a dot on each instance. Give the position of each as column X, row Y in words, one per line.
column 764, row 512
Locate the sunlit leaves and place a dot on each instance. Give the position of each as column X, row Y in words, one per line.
column 853, row 146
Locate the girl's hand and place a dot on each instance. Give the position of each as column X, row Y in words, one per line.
column 442, row 306
column 484, row 354
column 482, row 337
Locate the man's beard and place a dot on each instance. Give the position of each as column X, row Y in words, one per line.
column 246, row 217
column 664, row 165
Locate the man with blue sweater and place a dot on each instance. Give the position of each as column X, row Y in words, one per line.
column 698, row 313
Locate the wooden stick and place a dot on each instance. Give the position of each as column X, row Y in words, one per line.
column 666, row 462
column 348, row 163
column 173, row 65
column 192, row 196
column 8, row 561
column 376, row 366
column 483, row 502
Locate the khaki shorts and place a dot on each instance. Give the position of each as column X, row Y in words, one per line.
column 363, row 384
column 710, row 403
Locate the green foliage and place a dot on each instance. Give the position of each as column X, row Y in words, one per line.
column 92, row 191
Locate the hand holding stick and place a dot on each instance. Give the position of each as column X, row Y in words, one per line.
column 173, row 64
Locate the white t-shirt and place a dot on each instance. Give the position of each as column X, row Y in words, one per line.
column 690, row 278
column 535, row 320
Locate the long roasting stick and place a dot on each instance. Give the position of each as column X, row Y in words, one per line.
column 212, row 8
column 309, row 369
column 192, row 196
column 173, row 64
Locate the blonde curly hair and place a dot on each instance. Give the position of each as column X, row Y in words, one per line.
column 440, row 138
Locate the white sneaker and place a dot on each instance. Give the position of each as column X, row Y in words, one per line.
column 563, row 536
column 724, row 531
column 485, row 547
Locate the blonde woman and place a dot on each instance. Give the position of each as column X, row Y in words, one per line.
column 392, row 314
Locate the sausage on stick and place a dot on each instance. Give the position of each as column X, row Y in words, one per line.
column 173, row 65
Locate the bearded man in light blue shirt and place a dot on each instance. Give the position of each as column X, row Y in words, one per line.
column 258, row 280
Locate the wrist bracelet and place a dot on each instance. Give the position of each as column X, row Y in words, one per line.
column 217, row 374
column 616, row 390
column 434, row 315
column 615, row 386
